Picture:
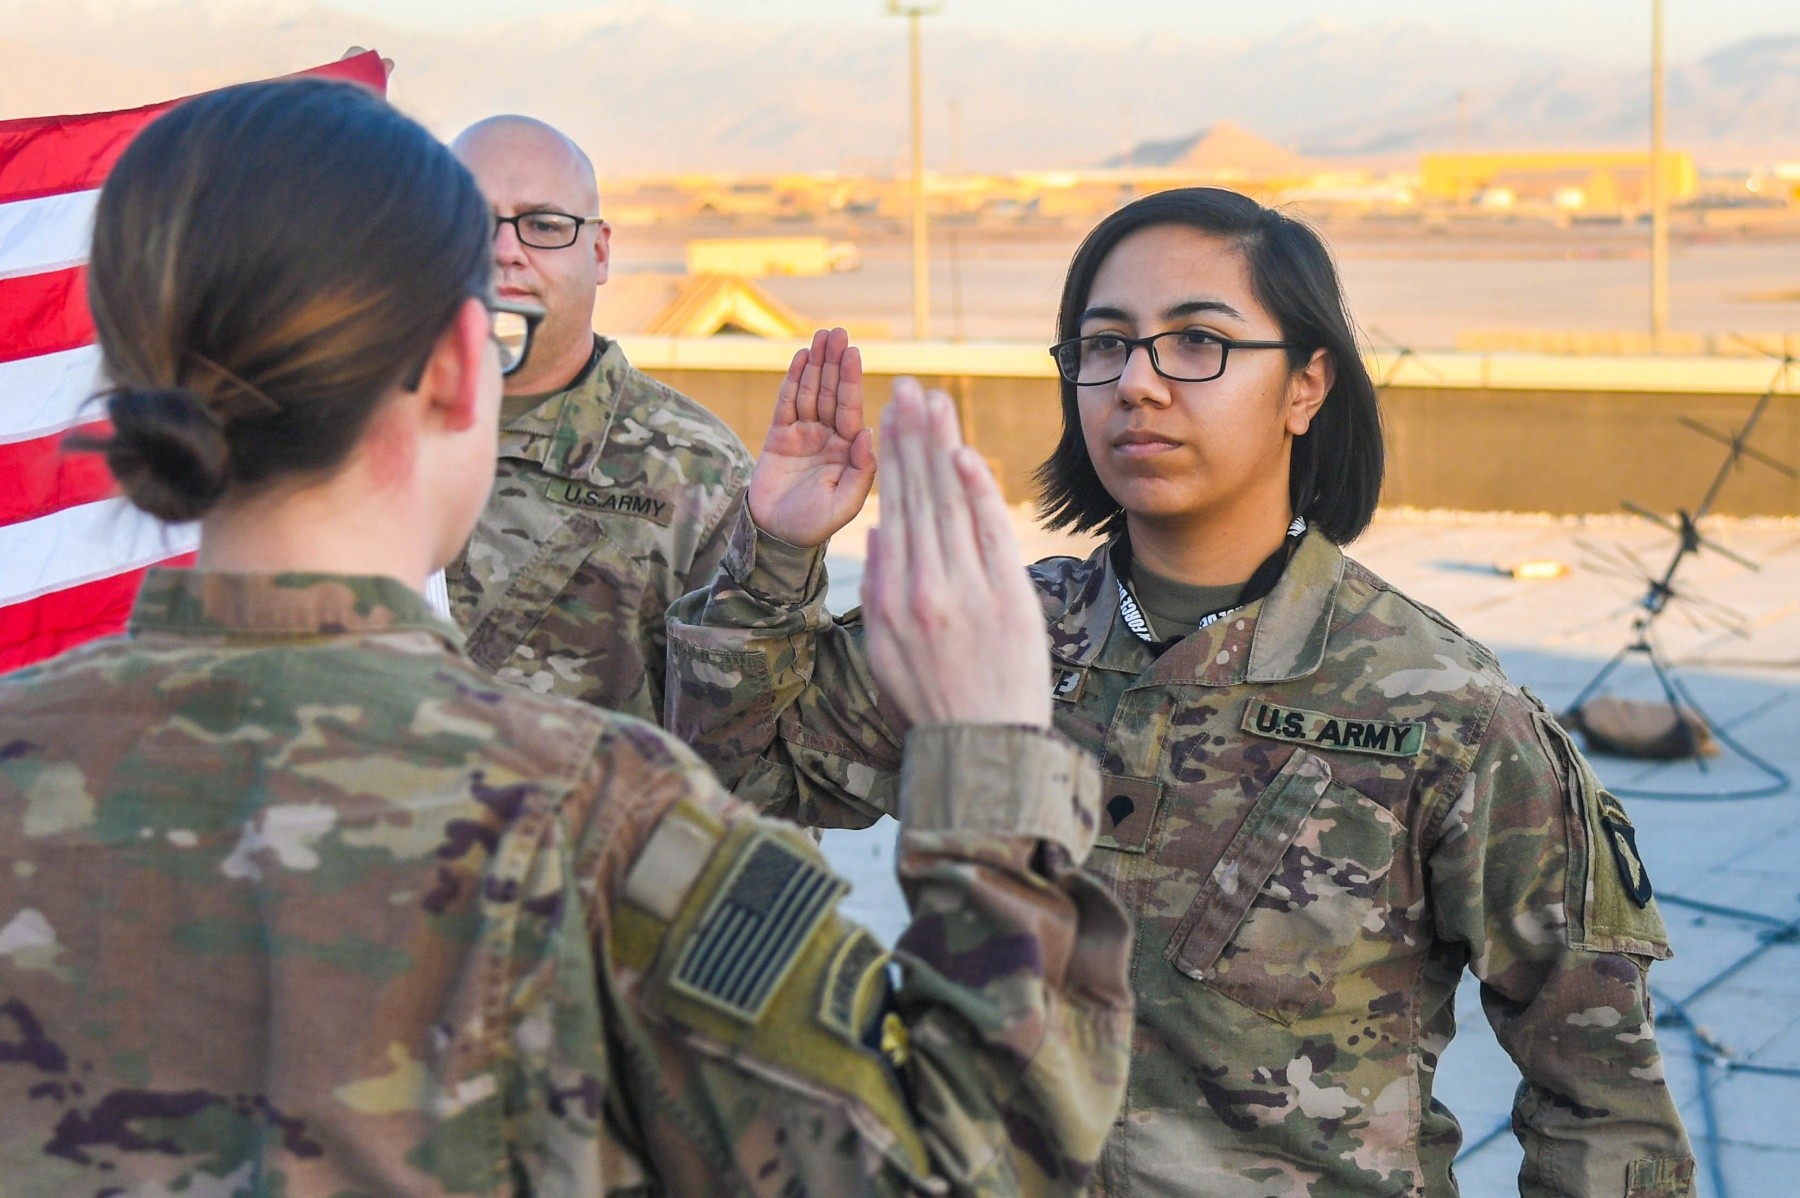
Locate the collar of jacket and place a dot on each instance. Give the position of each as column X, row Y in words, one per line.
column 217, row 604
column 565, row 434
column 1276, row 640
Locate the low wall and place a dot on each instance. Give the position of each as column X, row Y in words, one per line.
column 1474, row 432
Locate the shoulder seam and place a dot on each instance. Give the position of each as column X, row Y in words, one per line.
column 695, row 409
column 1494, row 674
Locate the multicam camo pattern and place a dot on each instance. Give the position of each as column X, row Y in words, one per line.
column 1318, row 812
column 295, row 900
column 608, row 504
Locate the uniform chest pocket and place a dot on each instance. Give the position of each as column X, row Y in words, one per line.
column 573, row 593
column 1291, row 893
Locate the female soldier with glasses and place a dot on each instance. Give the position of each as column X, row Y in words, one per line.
column 1321, row 800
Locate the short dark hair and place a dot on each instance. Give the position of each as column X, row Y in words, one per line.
column 1335, row 474
column 269, row 261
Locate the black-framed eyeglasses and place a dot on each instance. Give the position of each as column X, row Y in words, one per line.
column 546, row 230
column 512, row 326
column 1182, row 356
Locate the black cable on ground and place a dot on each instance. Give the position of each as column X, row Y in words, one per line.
column 1778, row 782
column 1675, row 1014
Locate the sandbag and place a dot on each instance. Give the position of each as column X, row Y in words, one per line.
column 1652, row 729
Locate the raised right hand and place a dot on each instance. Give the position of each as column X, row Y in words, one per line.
column 818, row 461
column 955, row 630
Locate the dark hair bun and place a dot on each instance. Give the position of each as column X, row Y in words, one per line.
column 167, row 451
column 353, row 237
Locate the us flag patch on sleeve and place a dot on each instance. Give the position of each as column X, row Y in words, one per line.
column 753, row 930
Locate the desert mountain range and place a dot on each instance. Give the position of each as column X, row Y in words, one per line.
column 648, row 88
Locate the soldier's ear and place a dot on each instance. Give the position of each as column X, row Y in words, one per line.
column 1307, row 389
column 457, row 378
column 602, row 251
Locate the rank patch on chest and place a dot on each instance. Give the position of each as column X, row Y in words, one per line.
column 1127, row 812
column 601, row 499
column 1315, row 728
column 755, row 927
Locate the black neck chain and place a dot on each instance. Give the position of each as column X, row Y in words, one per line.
column 1262, row 581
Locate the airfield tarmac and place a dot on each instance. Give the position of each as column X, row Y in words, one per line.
column 1724, row 870
column 1409, row 285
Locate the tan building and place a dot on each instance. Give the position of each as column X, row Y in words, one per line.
column 1578, row 180
column 665, row 305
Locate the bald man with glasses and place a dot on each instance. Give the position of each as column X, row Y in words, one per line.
column 613, row 490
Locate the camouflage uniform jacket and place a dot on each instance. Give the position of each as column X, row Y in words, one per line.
column 609, row 503
column 1318, row 811
column 295, row 900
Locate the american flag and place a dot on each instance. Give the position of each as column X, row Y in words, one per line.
column 72, row 553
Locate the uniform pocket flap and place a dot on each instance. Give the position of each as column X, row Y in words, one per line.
column 1247, row 863
column 522, row 577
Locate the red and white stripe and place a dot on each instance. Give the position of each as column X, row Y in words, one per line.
column 72, row 553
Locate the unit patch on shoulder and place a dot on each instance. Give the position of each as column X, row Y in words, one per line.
column 855, row 986
column 1623, row 838
column 1315, row 728
column 598, row 499
column 754, row 927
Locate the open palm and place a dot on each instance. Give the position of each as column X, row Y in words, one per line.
column 818, row 461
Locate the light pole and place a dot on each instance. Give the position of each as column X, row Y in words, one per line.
column 1659, row 192
column 912, row 10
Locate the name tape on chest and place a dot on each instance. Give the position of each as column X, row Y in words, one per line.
column 601, row 499
column 1065, row 687
column 1315, row 728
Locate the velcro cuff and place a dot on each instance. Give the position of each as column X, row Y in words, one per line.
column 1660, row 1177
column 769, row 568
column 1007, row 779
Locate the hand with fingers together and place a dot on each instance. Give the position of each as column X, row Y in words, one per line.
column 955, row 630
column 818, row 461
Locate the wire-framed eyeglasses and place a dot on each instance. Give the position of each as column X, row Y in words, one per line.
column 1181, row 356
column 546, row 230
column 512, row 326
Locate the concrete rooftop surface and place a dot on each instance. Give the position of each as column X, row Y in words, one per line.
column 1725, row 870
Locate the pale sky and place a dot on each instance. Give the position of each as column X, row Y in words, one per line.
column 1610, row 31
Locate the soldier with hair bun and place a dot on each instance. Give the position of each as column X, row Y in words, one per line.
column 1321, row 801
column 296, row 900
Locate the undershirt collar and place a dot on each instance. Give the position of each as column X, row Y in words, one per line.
column 1262, row 581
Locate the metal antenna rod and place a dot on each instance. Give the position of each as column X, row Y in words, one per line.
column 1739, row 441
column 1686, row 526
column 1690, row 541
